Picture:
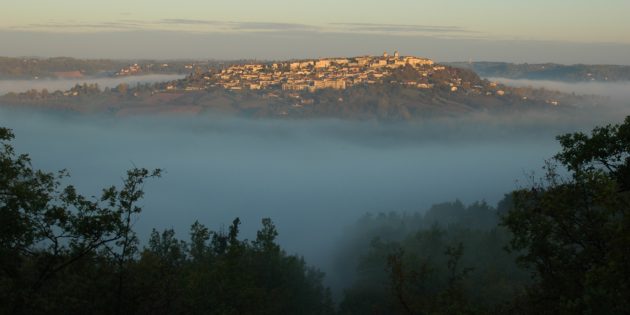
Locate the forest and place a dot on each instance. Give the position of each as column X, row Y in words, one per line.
column 549, row 71
column 51, row 68
column 383, row 102
column 556, row 246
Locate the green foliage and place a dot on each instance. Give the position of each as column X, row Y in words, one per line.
column 63, row 253
column 431, row 263
column 574, row 233
column 48, row 227
column 607, row 149
column 567, row 239
column 226, row 276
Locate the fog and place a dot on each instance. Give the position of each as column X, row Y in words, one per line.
column 619, row 92
column 19, row 86
column 313, row 178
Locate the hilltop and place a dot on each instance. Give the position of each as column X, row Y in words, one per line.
column 387, row 87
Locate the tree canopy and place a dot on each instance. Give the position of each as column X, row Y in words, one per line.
column 64, row 253
column 574, row 232
column 567, row 238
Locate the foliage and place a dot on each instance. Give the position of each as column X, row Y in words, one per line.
column 431, row 263
column 63, row 253
column 574, row 233
column 29, row 68
column 567, row 239
column 49, row 227
column 216, row 273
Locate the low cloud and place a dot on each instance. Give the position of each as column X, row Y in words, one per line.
column 218, row 26
column 401, row 28
column 272, row 26
column 241, row 26
column 189, row 22
column 119, row 25
column 184, row 25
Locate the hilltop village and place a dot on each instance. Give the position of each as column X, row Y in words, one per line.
column 385, row 87
column 312, row 75
column 318, row 74
column 337, row 74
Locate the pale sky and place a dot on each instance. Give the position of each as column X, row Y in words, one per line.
column 572, row 23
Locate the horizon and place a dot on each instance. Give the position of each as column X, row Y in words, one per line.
column 539, row 32
column 268, row 60
column 239, row 47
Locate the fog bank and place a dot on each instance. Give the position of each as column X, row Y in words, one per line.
column 619, row 92
column 18, row 86
column 313, row 178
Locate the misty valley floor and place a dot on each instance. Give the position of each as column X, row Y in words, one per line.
column 308, row 176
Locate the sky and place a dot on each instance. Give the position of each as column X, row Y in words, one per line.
column 506, row 30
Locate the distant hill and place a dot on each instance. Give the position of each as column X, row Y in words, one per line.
column 548, row 71
column 388, row 100
column 29, row 68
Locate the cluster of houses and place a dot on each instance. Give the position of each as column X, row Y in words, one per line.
column 136, row 69
column 130, row 70
column 313, row 75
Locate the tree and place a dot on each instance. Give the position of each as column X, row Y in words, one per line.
column 63, row 253
column 227, row 275
column 574, row 231
column 122, row 88
column 47, row 227
column 607, row 149
column 158, row 274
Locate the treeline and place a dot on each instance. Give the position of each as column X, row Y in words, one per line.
column 63, row 253
column 450, row 259
column 549, row 71
column 383, row 102
column 85, row 92
column 30, row 68
column 557, row 247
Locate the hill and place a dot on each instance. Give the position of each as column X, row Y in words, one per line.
column 549, row 71
column 384, row 87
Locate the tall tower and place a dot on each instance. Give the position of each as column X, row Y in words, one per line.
column 385, row 55
column 396, row 54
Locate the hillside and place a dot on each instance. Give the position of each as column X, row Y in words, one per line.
column 385, row 87
column 549, row 71
column 28, row 68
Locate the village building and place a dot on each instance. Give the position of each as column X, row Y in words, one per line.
column 324, row 73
